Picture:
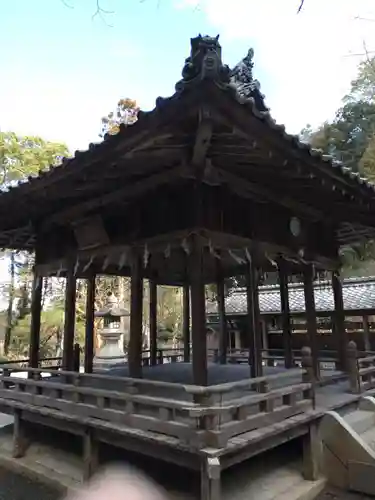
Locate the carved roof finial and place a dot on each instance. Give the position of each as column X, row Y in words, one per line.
column 204, row 63
column 241, row 76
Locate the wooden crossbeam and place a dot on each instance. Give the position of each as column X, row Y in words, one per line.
column 127, row 192
column 246, row 188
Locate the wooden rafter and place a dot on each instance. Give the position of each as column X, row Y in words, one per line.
column 246, row 188
column 252, row 127
column 125, row 193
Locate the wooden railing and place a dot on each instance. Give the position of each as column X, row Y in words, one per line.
column 361, row 368
column 164, row 355
column 194, row 415
column 21, row 364
column 275, row 357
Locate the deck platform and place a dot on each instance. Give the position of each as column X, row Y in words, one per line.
column 164, row 416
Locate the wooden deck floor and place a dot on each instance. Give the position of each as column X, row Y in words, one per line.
column 181, row 373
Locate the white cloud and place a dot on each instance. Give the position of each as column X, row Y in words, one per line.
column 306, row 57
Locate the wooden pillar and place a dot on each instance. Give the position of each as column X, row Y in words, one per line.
column 90, row 454
column 153, row 322
column 20, row 440
column 311, row 315
column 264, row 334
column 285, row 316
column 89, row 327
column 186, row 321
column 198, row 314
column 223, row 330
column 366, row 333
column 312, row 449
column 69, row 322
column 211, row 479
column 338, row 323
column 254, row 330
column 36, row 311
column 136, row 314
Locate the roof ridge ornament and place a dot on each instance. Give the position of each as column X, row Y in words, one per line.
column 204, row 63
column 241, row 76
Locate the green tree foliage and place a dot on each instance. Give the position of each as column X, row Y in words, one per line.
column 21, row 157
column 349, row 135
column 350, row 138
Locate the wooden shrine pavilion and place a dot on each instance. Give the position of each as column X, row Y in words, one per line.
column 205, row 186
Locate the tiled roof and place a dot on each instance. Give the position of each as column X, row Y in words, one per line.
column 241, row 86
column 358, row 294
column 203, row 69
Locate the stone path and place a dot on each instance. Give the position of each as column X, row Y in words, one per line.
column 334, row 494
column 19, row 487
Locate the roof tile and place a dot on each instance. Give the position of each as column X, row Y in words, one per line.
column 358, row 294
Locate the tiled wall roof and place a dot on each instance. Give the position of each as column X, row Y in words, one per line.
column 358, row 294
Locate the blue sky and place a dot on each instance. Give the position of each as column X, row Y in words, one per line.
column 61, row 70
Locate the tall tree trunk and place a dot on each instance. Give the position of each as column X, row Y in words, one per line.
column 9, row 323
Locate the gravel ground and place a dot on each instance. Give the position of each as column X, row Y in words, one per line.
column 19, row 487
column 333, row 494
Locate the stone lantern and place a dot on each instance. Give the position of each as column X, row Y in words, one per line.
column 110, row 352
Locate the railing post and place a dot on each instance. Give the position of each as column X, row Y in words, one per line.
column 216, row 356
column 20, row 441
column 76, row 357
column 161, row 360
column 307, row 364
column 268, row 404
column 211, row 478
column 309, row 375
column 354, row 380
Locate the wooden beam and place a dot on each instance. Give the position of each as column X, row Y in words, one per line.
column 366, row 333
column 36, row 310
column 223, row 330
column 311, row 315
column 245, row 188
column 198, row 314
column 89, row 326
column 230, row 241
column 136, row 314
column 127, row 193
column 285, row 315
column 186, row 321
column 153, row 321
column 253, row 333
column 338, row 317
column 69, row 322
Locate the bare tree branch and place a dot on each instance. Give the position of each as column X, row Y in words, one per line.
column 67, row 5
column 300, row 6
column 100, row 12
